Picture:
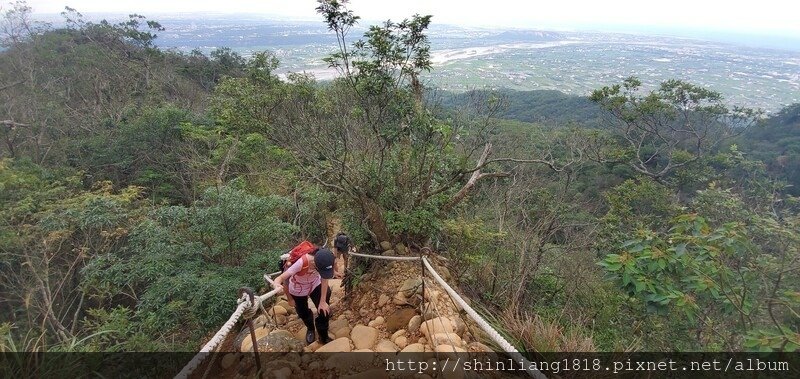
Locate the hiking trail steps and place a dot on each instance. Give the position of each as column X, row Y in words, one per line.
column 392, row 309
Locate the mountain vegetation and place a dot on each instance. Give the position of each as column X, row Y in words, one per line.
column 140, row 188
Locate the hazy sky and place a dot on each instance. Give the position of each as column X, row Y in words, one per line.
column 776, row 17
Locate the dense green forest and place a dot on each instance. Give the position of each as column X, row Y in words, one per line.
column 140, row 188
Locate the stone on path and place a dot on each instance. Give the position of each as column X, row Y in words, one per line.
column 386, row 346
column 410, row 286
column 364, row 337
column 378, row 321
column 338, row 324
column 338, row 345
column 382, row 300
column 436, row 325
column 228, row 360
column 414, row 348
column 398, row 333
column 275, row 343
column 401, row 342
column 414, row 324
column 447, row 339
column 342, row 332
column 400, row 319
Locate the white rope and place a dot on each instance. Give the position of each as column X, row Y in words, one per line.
column 211, row 345
column 244, row 304
column 268, row 277
column 493, row 334
column 269, row 294
column 387, row 257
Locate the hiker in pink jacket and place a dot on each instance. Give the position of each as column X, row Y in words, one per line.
column 308, row 277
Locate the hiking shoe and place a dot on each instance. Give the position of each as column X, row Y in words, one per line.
column 310, row 337
column 324, row 338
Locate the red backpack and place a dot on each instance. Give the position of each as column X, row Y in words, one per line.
column 300, row 251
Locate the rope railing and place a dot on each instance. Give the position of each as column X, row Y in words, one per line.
column 386, row 257
column 482, row 323
column 211, row 345
column 491, row 332
column 249, row 308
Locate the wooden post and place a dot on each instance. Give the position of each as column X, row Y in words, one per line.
column 255, row 346
column 252, row 328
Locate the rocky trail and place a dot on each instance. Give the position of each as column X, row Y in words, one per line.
column 390, row 310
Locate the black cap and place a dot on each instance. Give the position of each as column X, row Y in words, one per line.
column 342, row 242
column 323, row 259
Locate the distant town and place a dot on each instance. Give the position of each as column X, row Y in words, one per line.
column 474, row 58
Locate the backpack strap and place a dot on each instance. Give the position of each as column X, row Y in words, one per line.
column 304, row 270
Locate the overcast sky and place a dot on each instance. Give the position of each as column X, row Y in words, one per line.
column 775, row 17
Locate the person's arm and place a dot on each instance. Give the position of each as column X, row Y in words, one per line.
column 278, row 282
column 323, row 303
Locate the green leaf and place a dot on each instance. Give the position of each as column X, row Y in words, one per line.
column 636, row 249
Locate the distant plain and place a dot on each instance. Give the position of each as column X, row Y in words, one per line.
column 473, row 58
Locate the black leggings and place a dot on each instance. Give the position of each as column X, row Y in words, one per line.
column 304, row 313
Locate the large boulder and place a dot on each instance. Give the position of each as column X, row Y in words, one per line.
column 410, row 286
column 281, row 332
column 245, row 342
column 399, row 299
column 399, row 319
column 447, row 339
column 364, row 337
column 278, row 310
column 342, row 332
column 386, row 346
column 301, row 333
column 386, row 245
column 275, row 343
column 285, row 305
column 314, row 346
column 436, row 325
column 414, row 348
column 398, row 333
column 339, row 323
column 339, row 345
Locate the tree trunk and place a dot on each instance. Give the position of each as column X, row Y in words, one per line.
column 476, row 175
column 374, row 219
